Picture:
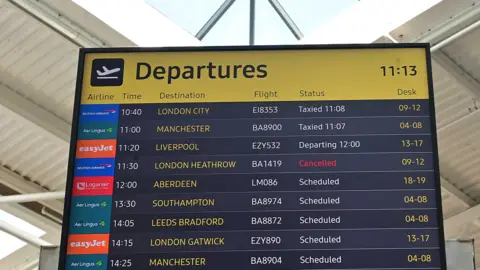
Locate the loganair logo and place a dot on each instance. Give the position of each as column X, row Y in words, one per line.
column 92, row 186
column 99, row 185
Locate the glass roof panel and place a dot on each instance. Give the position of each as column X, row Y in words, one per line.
column 191, row 15
column 233, row 27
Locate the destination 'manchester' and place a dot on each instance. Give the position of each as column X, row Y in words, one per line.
column 183, row 128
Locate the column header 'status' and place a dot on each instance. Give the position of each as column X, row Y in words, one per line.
column 272, row 75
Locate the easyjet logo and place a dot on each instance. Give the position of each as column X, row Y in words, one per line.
column 92, row 185
column 96, row 148
column 100, row 148
column 88, row 244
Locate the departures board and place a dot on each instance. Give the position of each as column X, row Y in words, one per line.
column 270, row 157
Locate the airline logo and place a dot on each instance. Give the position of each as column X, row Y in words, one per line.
column 90, row 214
column 92, row 186
column 89, row 226
column 94, row 167
column 99, row 113
column 91, row 202
column 87, row 244
column 97, row 130
column 91, row 262
column 96, row 148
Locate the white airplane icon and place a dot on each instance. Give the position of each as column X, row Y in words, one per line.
column 102, row 75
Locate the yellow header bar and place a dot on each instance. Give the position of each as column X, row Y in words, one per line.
column 253, row 76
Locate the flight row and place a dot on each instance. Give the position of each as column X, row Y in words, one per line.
column 219, row 183
column 274, row 240
column 279, row 127
column 152, row 203
column 282, row 145
column 347, row 108
column 144, row 166
column 275, row 220
column 403, row 259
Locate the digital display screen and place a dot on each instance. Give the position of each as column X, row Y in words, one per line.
column 278, row 157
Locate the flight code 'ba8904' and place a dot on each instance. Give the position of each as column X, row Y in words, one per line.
column 265, row 260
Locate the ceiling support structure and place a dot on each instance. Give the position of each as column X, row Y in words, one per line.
column 214, row 19
column 23, row 235
column 251, row 25
column 464, row 198
column 35, row 114
column 33, row 197
column 461, row 75
column 440, row 37
column 286, row 19
column 58, row 23
column 16, row 182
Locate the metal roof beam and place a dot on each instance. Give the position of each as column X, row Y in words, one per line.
column 464, row 198
column 16, row 182
column 35, row 114
column 461, row 75
column 453, row 223
column 58, row 23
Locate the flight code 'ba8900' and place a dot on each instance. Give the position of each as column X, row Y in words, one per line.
column 266, row 127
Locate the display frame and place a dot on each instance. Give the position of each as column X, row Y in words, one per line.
column 83, row 52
